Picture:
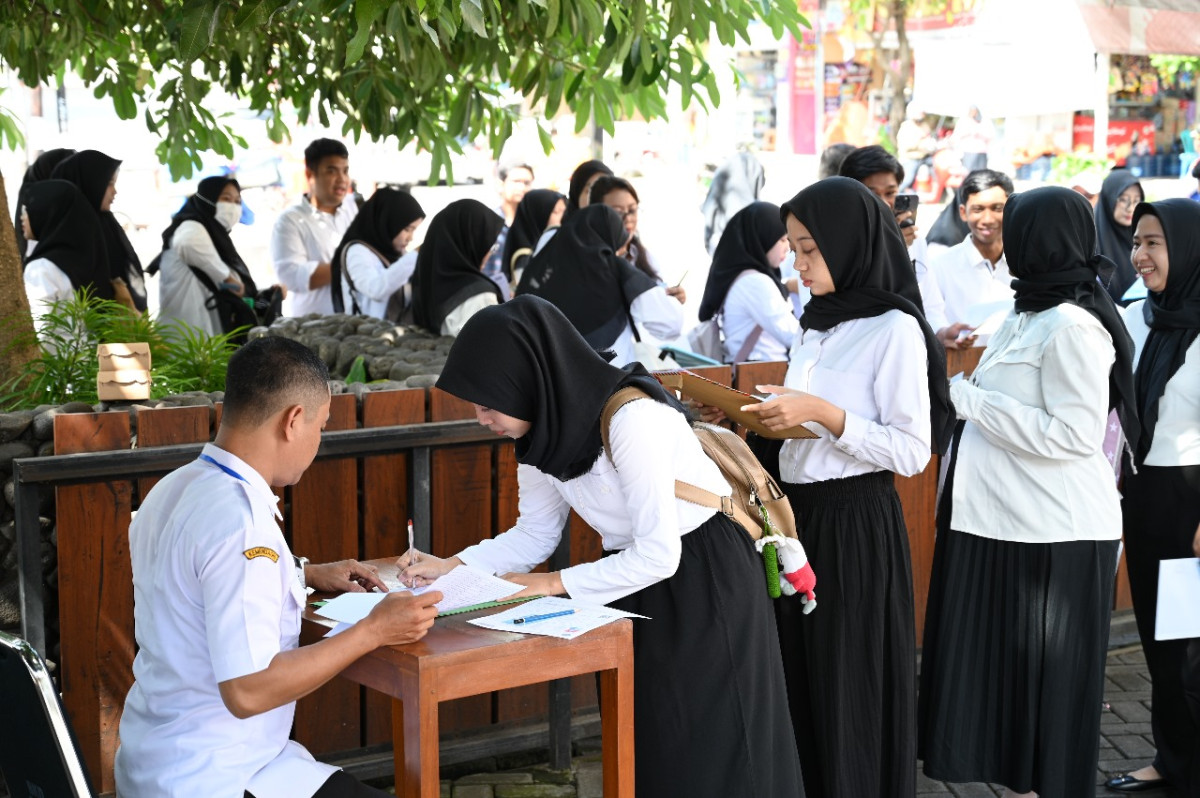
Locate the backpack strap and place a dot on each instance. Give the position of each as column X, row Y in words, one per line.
column 354, row 307
column 683, row 490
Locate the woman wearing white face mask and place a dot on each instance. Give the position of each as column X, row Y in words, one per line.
column 197, row 250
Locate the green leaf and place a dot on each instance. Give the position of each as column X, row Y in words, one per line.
column 544, row 136
column 365, row 14
column 472, row 14
column 198, row 28
column 426, row 27
column 358, row 371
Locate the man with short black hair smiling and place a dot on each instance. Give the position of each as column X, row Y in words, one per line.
column 306, row 234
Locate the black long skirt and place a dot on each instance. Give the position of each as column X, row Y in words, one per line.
column 851, row 663
column 1012, row 666
column 1161, row 512
column 710, row 717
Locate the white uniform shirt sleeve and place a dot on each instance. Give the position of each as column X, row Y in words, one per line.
column 370, row 277
column 659, row 313
column 1073, row 372
column 45, row 284
column 753, row 297
column 927, row 281
column 455, row 319
column 541, row 513
column 195, row 247
column 290, row 255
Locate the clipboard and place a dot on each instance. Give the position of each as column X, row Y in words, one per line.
column 708, row 392
column 487, row 605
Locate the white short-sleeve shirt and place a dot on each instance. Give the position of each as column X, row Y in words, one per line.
column 216, row 597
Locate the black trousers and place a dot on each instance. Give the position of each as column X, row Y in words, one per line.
column 342, row 785
column 1161, row 511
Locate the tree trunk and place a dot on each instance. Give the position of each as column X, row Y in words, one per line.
column 900, row 80
column 17, row 344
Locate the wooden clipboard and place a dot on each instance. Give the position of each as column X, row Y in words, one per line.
column 707, row 392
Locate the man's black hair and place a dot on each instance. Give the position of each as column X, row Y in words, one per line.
column 982, row 180
column 269, row 374
column 323, row 148
column 866, row 161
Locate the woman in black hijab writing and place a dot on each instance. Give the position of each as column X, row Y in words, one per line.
column 1016, row 628
column 95, row 174
column 868, row 376
column 708, row 683
column 1161, row 499
column 449, row 286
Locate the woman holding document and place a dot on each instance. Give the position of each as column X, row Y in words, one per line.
column 867, row 374
column 1016, row 628
column 708, row 682
column 1161, row 505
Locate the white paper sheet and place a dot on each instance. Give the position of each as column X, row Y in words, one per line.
column 986, row 317
column 462, row 587
column 1178, row 612
column 584, row 618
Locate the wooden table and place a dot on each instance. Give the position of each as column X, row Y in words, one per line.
column 457, row 659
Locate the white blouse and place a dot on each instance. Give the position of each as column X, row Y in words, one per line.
column 455, row 320
column 754, row 301
column 1030, row 466
column 876, row 370
column 45, row 284
column 374, row 283
column 631, row 505
column 655, row 312
column 1177, row 431
column 181, row 297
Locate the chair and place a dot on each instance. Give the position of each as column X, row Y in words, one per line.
column 38, row 754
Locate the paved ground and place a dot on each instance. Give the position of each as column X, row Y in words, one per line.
column 1125, row 744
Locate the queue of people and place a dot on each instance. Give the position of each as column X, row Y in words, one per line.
column 548, row 298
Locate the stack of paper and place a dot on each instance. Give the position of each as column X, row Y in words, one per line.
column 553, row 617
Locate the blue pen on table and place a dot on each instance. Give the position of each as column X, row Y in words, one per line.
column 532, row 618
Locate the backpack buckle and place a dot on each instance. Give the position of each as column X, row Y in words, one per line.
column 727, row 505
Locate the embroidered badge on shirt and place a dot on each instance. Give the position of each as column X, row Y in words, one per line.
column 261, row 551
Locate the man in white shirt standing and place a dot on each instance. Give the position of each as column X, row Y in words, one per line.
column 218, row 598
column 307, row 233
column 975, row 271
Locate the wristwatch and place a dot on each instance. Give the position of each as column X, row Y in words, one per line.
column 300, row 563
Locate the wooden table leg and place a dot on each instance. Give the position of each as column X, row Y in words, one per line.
column 415, row 739
column 616, row 728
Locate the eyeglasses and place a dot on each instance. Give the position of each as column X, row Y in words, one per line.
column 1127, row 202
column 625, row 213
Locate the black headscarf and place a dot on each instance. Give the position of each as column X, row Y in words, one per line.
column 1116, row 241
column 1050, row 245
column 39, row 170
column 1173, row 314
column 448, row 265
column 580, row 273
column 525, row 360
column 948, row 229
column 734, row 186
column 202, row 207
column 68, row 234
column 864, row 250
column 379, row 221
column 91, row 171
column 579, row 178
column 529, row 222
column 748, row 237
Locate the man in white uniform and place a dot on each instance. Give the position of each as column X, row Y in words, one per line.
column 307, row 233
column 218, row 598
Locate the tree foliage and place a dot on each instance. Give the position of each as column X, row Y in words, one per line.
column 436, row 72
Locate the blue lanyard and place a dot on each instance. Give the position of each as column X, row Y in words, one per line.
column 224, row 468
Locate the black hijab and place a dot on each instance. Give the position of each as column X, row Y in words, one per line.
column 579, row 178
column 580, row 273
column 202, row 207
column 1050, row 245
column 1116, row 241
column 948, row 229
column 1173, row 314
column 379, row 221
column 68, row 234
column 91, row 171
column 864, row 250
column 525, row 360
column 748, row 236
column 38, row 171
column 529, row 222
column 448, row 265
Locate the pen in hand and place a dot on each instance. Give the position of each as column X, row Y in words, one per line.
column 542, row 617
column 412, row 554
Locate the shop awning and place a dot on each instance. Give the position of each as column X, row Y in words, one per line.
column 1143, row 27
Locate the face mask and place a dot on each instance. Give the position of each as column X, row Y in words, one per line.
column 228, row 213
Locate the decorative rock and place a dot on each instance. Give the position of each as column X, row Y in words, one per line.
column 419, row 356
column 421, row 381
column 336, row 387
column 76, row 407
column 45, row 449
column 43, row 424
column 402, row 370
column 327, row 350
column 385, row 385
column 13, row 425
column 255, row 333
column 11, row 451
column 379, row 367
column 535, row 791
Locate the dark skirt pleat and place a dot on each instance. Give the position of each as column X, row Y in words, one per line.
column 1012, row 666
column 1161, row 511
column 710, row 714
column 851, row 663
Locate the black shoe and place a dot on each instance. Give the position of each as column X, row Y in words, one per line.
column 1128, row 783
